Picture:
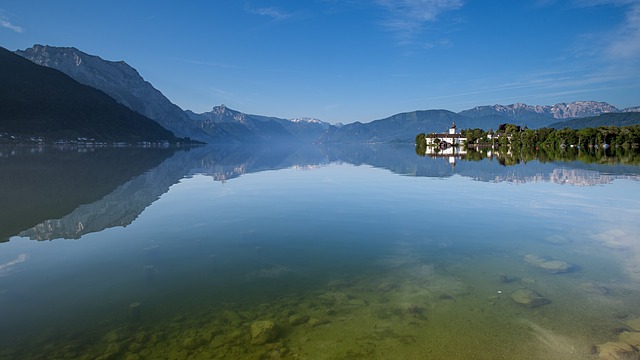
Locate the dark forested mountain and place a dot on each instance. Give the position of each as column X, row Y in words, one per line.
column 255, row 128
column 123, row 83
column 36, row 101
column 614, row 119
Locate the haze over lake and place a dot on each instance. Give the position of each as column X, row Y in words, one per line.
column 359, row 252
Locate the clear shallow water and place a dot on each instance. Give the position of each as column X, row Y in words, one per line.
column 396, row 256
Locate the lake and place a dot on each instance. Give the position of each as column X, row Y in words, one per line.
column 353, row 252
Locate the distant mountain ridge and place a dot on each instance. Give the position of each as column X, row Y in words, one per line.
column 397, row 128
column 404, row 127
column 224, row 125
column 257, row 128
column 43, row 103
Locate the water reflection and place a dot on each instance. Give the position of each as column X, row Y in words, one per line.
column 42, row 183
column 50, row 193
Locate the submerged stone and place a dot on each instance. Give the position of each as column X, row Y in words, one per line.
column 617, row 351
column 634, row 324
column 298, row 319
column 631, row 338
column 263, row 332
column 529, row 298
column 548, row 264
column 555, row 266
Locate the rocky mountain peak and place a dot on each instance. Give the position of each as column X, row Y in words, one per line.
column 120, row 81
column 581, row 109
column 219, row 109
column 574, row 109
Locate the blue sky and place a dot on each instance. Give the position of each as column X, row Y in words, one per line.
column 352, row 60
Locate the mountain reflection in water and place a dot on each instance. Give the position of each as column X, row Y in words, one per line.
column 50, row 193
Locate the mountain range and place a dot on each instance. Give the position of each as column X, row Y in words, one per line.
column 224, row 125
column 42, row 103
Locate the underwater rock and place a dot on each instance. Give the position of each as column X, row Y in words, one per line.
column 298, row 319
column 263, row 332
column 555, row 266
column 615, row 239
column 529, row 298
column 617, row 351
column 548, row 264
column 631, row 338
column 634, row 324
column 592, row 288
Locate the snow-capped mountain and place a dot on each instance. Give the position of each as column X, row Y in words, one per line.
column 308, row 120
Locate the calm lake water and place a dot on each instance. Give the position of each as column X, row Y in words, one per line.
column 365, row 252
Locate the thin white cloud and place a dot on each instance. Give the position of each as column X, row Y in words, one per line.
column 407, row 18
column 5, row 23
column 224, row 94
column 621, row 42
column 625, row 42
column 269, row 12
column 331, row 107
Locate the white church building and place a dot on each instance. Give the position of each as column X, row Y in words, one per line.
column 445, row 140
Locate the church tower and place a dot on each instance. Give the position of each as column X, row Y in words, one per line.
column 453, row 128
